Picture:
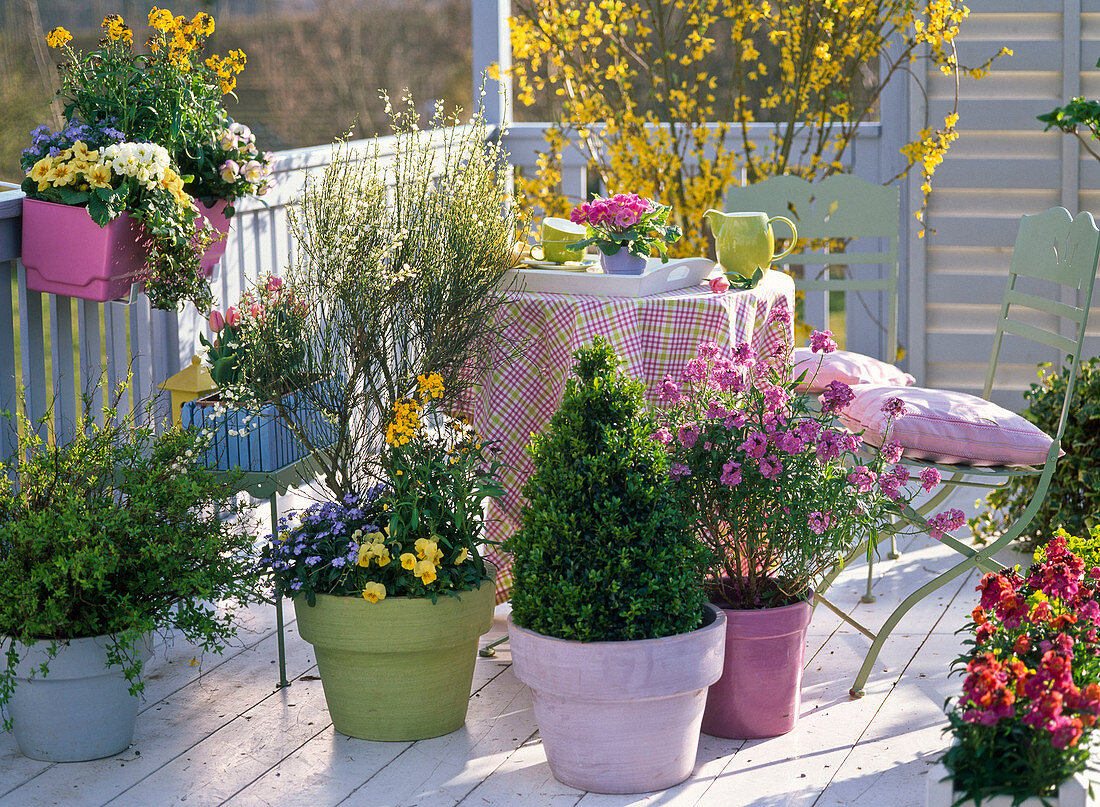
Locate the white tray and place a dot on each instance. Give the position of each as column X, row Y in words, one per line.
column 676, row 274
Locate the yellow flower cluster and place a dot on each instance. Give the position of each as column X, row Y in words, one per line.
column 405, row 424
column 430, row 385
column 117, row 29
column 58, row 37
column 227, row 68
column 374, row 549
column 75, row 167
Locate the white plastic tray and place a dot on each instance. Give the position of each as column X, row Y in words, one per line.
column 676, row 274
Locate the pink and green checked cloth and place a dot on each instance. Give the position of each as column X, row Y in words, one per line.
column 655, row 335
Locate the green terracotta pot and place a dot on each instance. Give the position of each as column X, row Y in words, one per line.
column 399, row 669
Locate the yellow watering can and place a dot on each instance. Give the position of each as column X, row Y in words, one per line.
column 744, row 241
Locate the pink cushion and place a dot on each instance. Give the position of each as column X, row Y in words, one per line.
column 850, row 368
column 950, row 427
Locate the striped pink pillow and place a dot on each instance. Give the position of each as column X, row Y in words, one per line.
column 950, row 427
column 846, row 366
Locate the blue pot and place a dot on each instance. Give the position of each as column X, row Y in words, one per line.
column 622, row 262
column 254, row 440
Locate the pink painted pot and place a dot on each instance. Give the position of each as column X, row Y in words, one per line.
column 620, row 717
column 760, row 691
column 65, row 252
column 213, row 210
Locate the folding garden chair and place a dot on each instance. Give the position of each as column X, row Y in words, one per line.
column 1050, row 284
column 836, row 220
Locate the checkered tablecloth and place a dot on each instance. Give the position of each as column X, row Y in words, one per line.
column 655, row 335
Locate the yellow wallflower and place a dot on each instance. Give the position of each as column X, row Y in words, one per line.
column 161, row 19
column 408, row 560
column 58, row 37
column 429, row 385
column 425, row 570
column 374, row 592
column 116, row 28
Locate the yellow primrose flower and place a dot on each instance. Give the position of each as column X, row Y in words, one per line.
column 99, row 176
column 462, row 556
column 408, row 560
column 425, row 570
column 374, row 592
column 58, row 37
column 41, row 169
column 61, row 174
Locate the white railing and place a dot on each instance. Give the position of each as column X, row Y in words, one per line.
column 55, row 349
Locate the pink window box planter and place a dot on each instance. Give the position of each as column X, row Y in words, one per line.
column 213, row 210
column 67, row 253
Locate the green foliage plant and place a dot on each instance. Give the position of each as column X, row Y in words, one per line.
column 1074, row 496
column 1078, row 117
column 415, row 534
column 404, row 246
column 269, row 315
column 119, row 532
column 603, row 553
column 668, row 99
column 1031, row 693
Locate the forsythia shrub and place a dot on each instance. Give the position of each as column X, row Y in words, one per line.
column 660, row 96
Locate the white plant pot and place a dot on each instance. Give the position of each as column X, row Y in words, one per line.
column 620, row 717
column 1073, row 792
column 82, row 709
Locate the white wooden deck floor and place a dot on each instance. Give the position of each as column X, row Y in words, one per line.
column 223, row 734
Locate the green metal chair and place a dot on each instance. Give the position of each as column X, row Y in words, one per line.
column 1061, row 253
column 845, row 210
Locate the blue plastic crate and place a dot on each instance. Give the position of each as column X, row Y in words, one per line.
column 253, row 440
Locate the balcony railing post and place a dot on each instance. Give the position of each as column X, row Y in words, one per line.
column 492, row 46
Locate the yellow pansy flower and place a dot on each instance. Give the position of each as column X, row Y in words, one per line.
column 408, row 560
column 365, row 554
column 428, row 550
column 425, row 570
column 374, row 592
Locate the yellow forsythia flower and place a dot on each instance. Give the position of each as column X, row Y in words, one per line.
column 374, row 592
column 58, row 37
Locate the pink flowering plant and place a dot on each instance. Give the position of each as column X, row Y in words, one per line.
column 259, row 344
column 625, row 221
column 1031, row 695
column 229, row 165
column 778, row 490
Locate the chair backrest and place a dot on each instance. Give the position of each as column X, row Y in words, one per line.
column 1063, row 252
column 839, row 208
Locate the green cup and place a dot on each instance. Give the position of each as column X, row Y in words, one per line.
column 557, row 235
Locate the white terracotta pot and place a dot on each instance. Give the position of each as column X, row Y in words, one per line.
column 82, row 709
column 940, row 792
column 620, row 717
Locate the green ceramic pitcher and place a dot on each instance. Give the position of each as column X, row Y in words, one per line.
column 744, row 241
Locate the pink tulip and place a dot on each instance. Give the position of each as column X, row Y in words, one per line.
column 719, row 285
column 254, row 310
column 233, row 316
column 274, row 283
column 217, row 322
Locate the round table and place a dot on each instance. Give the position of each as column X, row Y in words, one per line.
column 654, row 335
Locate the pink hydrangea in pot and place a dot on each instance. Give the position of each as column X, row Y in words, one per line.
column 780, row 493
column 626, row 228
column 1031, row 693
